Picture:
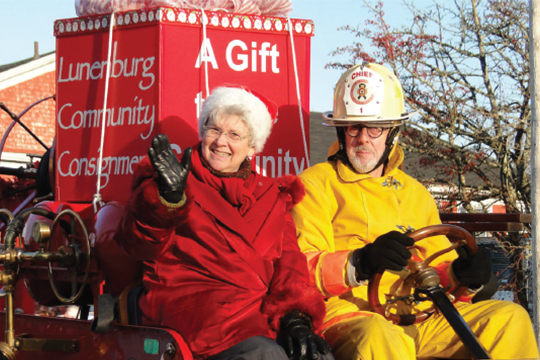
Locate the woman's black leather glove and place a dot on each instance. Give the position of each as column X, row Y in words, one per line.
column 171, row 174
column 297, row 338
column 388, row 252
column 472, row 271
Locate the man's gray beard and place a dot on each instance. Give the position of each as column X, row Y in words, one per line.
column 363, row 168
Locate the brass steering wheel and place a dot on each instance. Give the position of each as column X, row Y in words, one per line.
column 420, row 275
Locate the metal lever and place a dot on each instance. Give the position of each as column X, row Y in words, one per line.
column 456, row 321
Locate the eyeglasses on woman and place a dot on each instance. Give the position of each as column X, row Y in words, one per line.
column 231, row 136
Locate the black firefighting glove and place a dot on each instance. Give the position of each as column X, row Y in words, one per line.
column 171, row 174
column 472, row 271
column 297, row 338
column 388, row 252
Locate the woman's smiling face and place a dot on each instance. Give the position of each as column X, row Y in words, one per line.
column 219, row 150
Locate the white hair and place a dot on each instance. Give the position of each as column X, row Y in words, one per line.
column 248, row 107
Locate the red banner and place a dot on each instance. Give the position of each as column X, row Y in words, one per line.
column 159, row 59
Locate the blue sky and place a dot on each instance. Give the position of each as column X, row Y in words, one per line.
column 24, row 21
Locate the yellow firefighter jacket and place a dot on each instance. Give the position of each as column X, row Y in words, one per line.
column 343, row 211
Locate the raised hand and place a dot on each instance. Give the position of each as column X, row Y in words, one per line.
column 171, row 174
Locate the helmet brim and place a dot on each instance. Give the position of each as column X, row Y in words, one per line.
column 365, row 120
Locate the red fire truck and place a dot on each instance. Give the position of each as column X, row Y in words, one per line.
column 58, row 246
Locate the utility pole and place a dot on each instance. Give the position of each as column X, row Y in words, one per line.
column 534, row 49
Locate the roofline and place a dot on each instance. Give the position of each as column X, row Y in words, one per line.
column 27, row 71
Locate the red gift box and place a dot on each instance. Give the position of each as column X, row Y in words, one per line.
column 158, row 80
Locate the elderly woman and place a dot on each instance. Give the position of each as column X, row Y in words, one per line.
column 222, row 265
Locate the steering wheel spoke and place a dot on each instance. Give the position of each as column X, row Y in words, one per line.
column 439, row 253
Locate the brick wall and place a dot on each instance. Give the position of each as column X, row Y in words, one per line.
column 40, row 119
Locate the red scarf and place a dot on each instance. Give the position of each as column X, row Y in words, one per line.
column 235, row 190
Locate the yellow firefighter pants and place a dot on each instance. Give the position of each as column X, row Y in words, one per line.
column 502, row 327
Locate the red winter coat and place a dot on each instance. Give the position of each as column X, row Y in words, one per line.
column 212, row 275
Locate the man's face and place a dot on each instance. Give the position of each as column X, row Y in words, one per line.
column 363, row 150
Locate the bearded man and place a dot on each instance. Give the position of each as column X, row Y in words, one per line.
column 353, row 223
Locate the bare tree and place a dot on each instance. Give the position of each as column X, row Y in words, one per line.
column 464, row 66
